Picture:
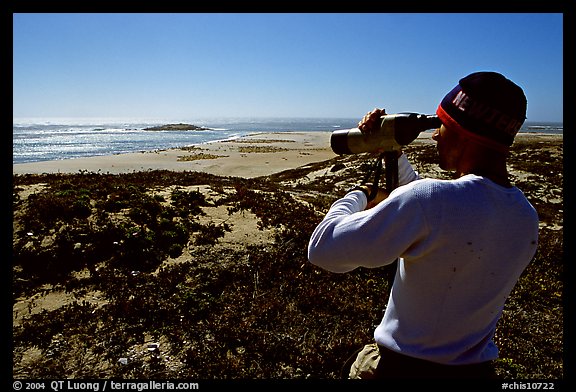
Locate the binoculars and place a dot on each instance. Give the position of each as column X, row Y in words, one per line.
column 395, row 130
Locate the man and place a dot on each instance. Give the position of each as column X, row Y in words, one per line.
column 461, row 244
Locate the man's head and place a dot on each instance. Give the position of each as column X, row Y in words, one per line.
column 485, row 107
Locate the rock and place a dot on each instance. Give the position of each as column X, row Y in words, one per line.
column 338, row 166
column 176, row 127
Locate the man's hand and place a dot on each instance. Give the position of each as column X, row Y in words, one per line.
column 371, row 120
column 380, row 195
column 370, row 123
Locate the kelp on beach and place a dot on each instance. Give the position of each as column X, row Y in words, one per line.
column 164, row 274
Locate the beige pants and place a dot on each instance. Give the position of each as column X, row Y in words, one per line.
column 364, row 367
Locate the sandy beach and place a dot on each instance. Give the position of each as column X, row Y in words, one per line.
column 251, row 156
column 255, row 155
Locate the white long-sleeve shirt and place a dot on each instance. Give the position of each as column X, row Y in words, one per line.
column 462, row 245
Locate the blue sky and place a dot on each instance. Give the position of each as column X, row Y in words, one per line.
column 186, row 66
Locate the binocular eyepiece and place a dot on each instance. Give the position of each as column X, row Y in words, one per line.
column 395, row 130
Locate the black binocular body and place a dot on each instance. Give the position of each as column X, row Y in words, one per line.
column 395, row 131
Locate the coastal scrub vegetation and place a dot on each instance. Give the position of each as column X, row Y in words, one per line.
column 152, row 291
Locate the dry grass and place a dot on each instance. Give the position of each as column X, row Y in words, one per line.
column 127, row 276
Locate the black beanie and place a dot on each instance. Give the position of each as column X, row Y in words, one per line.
column 486, row 104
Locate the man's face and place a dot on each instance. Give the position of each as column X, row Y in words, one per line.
column 447, row 145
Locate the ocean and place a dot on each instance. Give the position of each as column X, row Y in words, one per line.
column 36, row 140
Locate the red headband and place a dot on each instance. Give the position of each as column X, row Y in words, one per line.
column 449, row 122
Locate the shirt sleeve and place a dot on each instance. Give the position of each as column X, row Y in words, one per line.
column 349, row 237
column 406, row 172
